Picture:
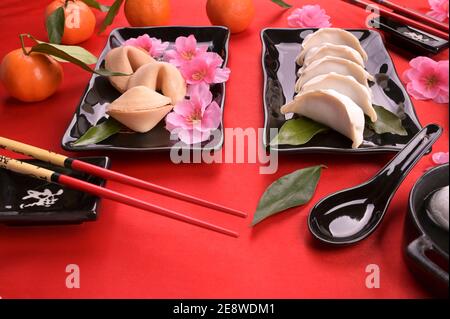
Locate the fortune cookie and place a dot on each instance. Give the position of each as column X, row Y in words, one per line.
column 140, row 108
column 161, row 76
column 125, row 59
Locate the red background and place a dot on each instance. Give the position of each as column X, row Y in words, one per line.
column 131, row 254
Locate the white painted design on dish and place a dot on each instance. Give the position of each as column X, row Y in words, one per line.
column 43, row 199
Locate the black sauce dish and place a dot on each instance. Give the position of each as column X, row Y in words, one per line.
column 426, row 244
column 26, row 201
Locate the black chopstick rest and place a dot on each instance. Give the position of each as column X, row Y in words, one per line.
column 404, row 36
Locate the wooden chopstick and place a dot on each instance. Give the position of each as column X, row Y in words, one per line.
column 64, row 161
column 413, row 14
column 400, row 18
column 51, row 176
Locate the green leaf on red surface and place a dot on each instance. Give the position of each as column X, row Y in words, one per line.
column 387, row 122
column 289, row 191
column 298, row 132
column 55, row 25
column 96, row 5
column 282, row 4
column 112, row 12
column 99, row 133
column 73, row 54
column 77, row 52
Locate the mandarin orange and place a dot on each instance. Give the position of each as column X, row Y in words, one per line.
column 140, row 13
column 30, row 77
column 79, row 20
column 234, row 14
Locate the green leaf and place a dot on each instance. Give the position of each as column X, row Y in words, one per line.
column 96, row 5
column 289, row 191
column 99, row 133
column 72, row 54
column 112, row 12
column 77, row 52
column 387, row 122
column 298, row 131
column 55, row 25
column 282, row 4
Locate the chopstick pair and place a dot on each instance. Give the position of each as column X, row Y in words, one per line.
column 71, row 163
column 430, row 27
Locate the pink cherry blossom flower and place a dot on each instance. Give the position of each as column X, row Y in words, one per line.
column 205, row 69
column 193, row 119
column 309, row 16
column 427, row 79
column 439, row 9
column 440, row 158
column 155, row 47
column 186, row 49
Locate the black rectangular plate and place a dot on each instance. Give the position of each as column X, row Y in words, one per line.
column 99, row 92
column 70, row 207
column 280, row 49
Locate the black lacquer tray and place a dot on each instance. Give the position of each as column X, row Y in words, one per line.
column 280, row 49
column 99, row 93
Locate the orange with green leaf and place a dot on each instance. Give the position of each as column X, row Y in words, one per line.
column 32, row 74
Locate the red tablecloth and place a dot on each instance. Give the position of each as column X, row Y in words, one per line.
column 128, row 253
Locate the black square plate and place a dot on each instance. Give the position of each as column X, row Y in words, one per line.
column 29, row 201
column 91, row 109
column 280, row 49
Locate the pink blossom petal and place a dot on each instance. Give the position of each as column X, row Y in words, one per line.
column 309, row 16
column 440, row 158
column 416, row 94
column 155, row 47
column 174, row 120
column 439, row 9
column 200, row 95
column 222, row 75
column 442, row 71
column 427, row 79
column 441, row 97
column 407, row 76
column 430, row 91
column 193, row 136
column 184, row 108
column 418, row 62
column 186, row 50
column 213, row 59
column 212, row 116
column 170, row 55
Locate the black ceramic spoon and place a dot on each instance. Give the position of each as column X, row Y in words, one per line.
column 351, row 215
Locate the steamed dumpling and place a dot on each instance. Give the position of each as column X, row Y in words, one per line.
column 161, row 76
column 140, row 108
column 346, row 85
column 125, row 59
column 333, row 36
column 332, row 64
column 332, row 109
column 329, row 49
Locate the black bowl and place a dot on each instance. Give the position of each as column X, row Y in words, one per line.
column 29, row 201
column 426, row 244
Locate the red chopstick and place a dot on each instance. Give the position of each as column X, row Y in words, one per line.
column 124, row 199
column 413, row 14
column 64, row 161
column 125, row 179
column 51, row 176
column 400, row 18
